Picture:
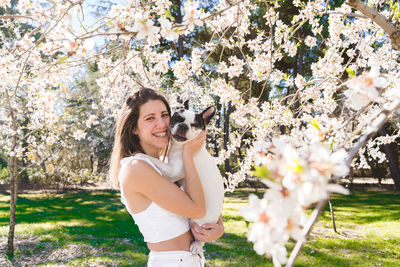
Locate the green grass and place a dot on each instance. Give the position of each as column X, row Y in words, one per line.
column 95, row 226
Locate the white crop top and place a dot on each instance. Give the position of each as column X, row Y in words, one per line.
column 155, row 223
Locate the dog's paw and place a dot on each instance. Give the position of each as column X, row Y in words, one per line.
column 196, row 247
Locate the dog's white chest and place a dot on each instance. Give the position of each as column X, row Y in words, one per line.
column 213, row 185
column 209, row 175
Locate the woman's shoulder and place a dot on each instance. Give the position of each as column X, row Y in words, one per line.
column 136, row 163
column 135, row 167
column 141, row 157
column 133, row 158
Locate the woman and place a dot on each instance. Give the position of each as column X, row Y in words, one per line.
column 160, row 208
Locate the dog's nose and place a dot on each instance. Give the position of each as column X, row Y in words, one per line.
column 182, row 129
column 183, row 126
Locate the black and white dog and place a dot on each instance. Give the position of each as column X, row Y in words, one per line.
column 185, row 125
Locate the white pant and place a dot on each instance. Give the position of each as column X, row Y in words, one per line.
column 175, row 259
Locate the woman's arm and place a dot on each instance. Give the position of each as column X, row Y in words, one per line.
column 208, row 231
column 139, row 177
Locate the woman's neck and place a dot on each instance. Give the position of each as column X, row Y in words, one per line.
column 155, row 153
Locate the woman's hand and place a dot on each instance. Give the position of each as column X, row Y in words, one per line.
column 208, row 231
column 195, row 144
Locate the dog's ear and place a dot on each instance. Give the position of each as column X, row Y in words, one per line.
column 207, row 114
column 186, row 104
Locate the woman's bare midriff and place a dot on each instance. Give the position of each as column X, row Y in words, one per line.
column 181, row 242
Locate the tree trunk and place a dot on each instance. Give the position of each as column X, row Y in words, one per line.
column 226, row 128
column 180, row 38
column 13, row 200
column 392, row 160
column 298, row 68
column 13, row 162
column 332, row 215
column 218, row 113
column 226, row 135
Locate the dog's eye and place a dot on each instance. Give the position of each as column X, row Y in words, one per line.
column 177, row 119
column 196, row 125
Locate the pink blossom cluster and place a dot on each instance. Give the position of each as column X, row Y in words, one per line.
column 297, row 177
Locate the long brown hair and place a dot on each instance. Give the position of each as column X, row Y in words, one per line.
column 126, row 143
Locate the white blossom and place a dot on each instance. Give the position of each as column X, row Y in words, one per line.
column 167, row 31
column 192, row 15
column 310, row 41
column 79, row 134
column 144, row 26
column 364, row 89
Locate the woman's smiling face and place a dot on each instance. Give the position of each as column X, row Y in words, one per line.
column 153, row 127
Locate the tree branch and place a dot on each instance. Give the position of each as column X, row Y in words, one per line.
column 26, row 167
column 355, row 15
column 306, row 230
column 27, row 135
column 382, row 21
column 375, row 126
column 8, row 16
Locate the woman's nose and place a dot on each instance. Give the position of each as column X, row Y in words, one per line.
column 161, row 122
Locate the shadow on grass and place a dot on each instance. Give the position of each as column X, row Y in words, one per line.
column 97, row 219
column 243, row 193
column 354, row 252
column 363, row 207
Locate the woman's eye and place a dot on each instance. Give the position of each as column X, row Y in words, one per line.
column 165, row 115
column 149, row 118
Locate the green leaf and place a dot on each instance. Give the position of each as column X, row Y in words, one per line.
column 62, row 59
column 295, row 166
column 286, row 76
column 350, row 72
column 169, row 15
column 331, row 146
column 315, row 123
column 261, row 172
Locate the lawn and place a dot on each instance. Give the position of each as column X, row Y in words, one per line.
column 92, row 228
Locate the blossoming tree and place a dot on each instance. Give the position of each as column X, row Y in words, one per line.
column 327, row 115
column 39, row 63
